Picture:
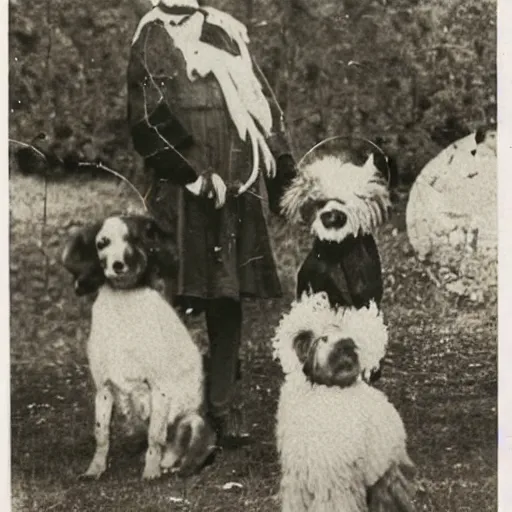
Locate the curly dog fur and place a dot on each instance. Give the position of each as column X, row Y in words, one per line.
column 341, row 447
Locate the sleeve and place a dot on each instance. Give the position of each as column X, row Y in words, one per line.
column 279, row 145
column 157, row 133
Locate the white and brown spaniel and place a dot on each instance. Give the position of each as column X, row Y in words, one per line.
column 141, row 356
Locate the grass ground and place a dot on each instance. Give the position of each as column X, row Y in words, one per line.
column 441, row 376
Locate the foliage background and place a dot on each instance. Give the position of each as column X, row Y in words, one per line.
column 410, row 74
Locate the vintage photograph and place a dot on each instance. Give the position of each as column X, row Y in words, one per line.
column 253, row 255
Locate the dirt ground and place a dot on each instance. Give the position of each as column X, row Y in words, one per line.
column 441, row 374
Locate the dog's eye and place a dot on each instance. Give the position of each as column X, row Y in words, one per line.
column 323, row 339
column 102, row 243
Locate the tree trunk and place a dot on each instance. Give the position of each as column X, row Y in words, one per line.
column 249, row 13
column 286, row 55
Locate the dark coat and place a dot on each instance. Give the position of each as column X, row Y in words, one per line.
column 193, row 118
column 349, row 272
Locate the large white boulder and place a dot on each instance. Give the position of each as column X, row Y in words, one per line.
column 452, row 216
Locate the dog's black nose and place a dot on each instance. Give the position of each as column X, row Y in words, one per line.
column 333, row 219
column 118, row 266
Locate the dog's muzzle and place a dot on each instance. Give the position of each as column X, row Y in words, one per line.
column 333, row 219
column 342, row 358
column 118, row 267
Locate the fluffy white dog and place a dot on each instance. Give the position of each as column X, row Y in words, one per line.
column 341, row 443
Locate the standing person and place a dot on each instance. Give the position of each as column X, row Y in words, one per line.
column 205, row 125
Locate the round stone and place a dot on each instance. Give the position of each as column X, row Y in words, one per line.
column 452, row 216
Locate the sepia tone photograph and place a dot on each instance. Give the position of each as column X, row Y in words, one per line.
column 253, row 255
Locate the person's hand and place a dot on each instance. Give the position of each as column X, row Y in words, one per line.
column 217, row 191
column 196, row 186
column 211, row 186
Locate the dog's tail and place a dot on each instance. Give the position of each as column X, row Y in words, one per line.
column 192, row 446
column 394, row 491
column 201, row 446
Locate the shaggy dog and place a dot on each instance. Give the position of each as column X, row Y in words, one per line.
column 343, row 203
column 141, row 356
column 341, row 443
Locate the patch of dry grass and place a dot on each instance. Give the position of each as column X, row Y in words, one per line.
column 441, row 374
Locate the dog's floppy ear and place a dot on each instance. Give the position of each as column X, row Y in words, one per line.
column 302, row 343
column 153, row 230
column 161, row 244
column 80, row 258
column 386, row 165
column 309, row 358
column 302, row 346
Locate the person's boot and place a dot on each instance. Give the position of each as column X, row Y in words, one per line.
column 231, row 428
column 236, row 428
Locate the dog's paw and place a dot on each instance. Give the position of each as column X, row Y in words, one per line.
column 169, row 460
column 94, row 472
column 151, row 472
column 89, row 476
column 193, row 467
column 170, row 471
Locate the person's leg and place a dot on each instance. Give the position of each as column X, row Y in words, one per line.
column 222, row 367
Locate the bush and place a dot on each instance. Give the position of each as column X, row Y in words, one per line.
column 413, row 77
